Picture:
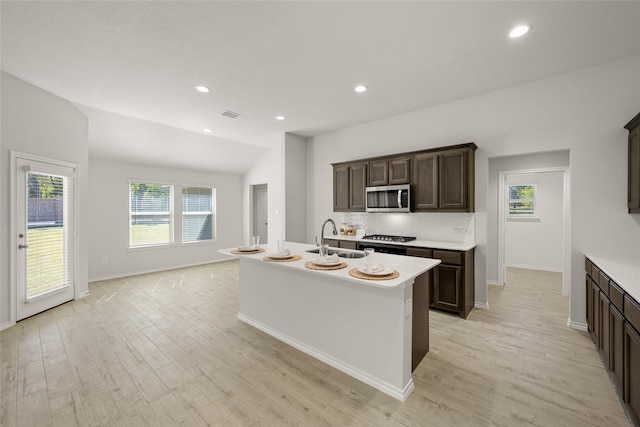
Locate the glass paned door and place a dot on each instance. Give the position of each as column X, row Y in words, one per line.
column 45, row 236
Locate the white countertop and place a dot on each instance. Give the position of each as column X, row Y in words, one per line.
column 407, row 267
column 622, row 269
column 453, row 246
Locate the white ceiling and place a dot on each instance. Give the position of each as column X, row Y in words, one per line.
column 298, row 59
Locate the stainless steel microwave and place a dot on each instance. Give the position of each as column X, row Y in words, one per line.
column 389, row 198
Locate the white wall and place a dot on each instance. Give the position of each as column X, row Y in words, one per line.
column 582, row 111
column 295, row 183
column 39, row 123
column 109, row 219
column 553, row 159
column 538, row 243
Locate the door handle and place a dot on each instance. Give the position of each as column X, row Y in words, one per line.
column 23, row 246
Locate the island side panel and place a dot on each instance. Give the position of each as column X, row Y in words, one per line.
column 362, row 330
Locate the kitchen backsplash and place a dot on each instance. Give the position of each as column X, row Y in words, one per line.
column 441, row 227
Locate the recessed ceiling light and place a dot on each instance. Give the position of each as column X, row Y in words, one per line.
column 279, row 117
column 519, row 31
column 207, row 130
column 202, row 89
column 360, row 88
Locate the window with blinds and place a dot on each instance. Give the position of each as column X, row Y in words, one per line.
column 49, row 259
column 522, row 201
column 150, row 214
column 198, row 213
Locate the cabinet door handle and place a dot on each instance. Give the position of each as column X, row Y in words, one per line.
column 23, row 246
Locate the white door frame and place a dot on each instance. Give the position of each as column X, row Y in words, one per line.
column 253, row 226
column 13, row 228
column 566, row 220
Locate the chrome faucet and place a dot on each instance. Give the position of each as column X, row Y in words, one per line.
column 335, row 230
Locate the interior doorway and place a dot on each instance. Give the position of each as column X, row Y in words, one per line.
column 533, row 224
column 260, row 212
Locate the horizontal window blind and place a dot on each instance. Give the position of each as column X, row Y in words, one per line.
column 150, row 214
column 49, row 256
column 522, row 200
column 198, row 210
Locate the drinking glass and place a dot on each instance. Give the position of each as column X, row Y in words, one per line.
column 281, row 247
column 368, row 252
column 255, row 241
column 324, row 250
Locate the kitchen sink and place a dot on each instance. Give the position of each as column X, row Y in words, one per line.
column 341, row 254
column 351, row 254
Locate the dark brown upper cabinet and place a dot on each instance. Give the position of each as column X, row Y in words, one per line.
column 444, row 180
column 425, row 182
column 390, row 171
column 349, row 186
column 633, row 186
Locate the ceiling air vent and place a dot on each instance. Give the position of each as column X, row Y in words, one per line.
column 230, row 114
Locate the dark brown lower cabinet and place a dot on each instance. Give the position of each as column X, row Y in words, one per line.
column 613, row 319
column 595, row 311
column 420, row 319
column 446, row 287
column 605, row 343
column 453, row 285
column 589, row 294
column 632, row 372
column 616, row 335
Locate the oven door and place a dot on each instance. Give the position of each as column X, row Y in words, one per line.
column 383, row 248
column 390, row 198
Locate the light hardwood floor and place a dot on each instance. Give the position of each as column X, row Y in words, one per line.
column 166, row 349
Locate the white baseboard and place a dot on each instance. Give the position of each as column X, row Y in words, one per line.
column 83, row 294
column 155, row 270
column 576, row 325
column 6, row 325
column 536, row 267
column 395, row 392
column 494, row 283
column 481, row 305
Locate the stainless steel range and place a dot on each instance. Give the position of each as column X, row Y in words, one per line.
column 390, row 239
column 384, row 243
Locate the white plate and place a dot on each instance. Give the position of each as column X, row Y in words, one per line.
column 281, row 256
column 375, row 272
column 323, row 262
column 247, row 248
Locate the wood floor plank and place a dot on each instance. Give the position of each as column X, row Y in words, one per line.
column 167, row 349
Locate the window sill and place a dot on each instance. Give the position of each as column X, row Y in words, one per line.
column 151, row 247
column 199, row 242
column 524, row 219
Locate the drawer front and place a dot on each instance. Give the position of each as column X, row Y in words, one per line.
column 603, row 282
column 448, row 257
column 587, row 265
column 616, row 295
column 594, row 272
column 632, row 312
column 420, row 252
column 348, row 244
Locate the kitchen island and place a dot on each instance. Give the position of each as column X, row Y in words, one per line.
column 361, row 327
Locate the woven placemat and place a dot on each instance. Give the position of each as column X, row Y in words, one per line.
column 237, row 252
column 291, row 258
column 311, row 266
column 355, row 273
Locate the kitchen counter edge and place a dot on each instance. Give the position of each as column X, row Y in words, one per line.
column 622, row 269
column 431, row 244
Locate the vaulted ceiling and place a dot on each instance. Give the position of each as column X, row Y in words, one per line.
column 302, row 60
